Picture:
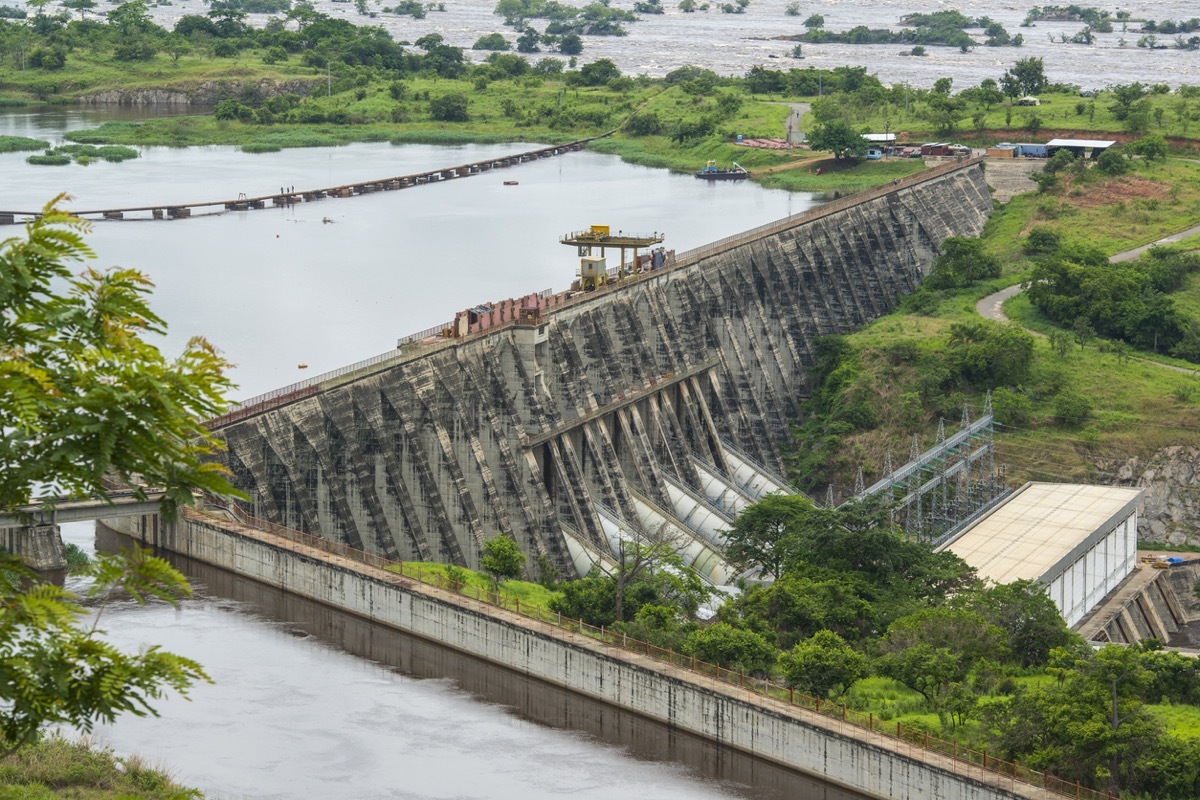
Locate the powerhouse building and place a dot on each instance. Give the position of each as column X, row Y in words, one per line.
column 1079, row 541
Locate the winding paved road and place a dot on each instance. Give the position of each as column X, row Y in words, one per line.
column 992, row 306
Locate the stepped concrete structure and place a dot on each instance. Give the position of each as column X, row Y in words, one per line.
column 656, row 406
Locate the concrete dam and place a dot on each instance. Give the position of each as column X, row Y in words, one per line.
column 656, row 406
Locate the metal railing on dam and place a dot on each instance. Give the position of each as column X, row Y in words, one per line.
column 917, row 745
column 430, row 338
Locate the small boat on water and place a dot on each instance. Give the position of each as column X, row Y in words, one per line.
column 512, row 183
column 714, row 173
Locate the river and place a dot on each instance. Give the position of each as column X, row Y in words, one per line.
column 730, row 44
column 308, row 702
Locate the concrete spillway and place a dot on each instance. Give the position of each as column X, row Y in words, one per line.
column 685, row 377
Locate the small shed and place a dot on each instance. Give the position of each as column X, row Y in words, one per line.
column 1002, row 150
column 880, row 138
column 1033, row 150
column 937, row 149
column 1029, row 101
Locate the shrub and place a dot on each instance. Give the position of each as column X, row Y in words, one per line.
column 646, row 123
column 232, row 109
column 16, row 144
column 962, row 262
column 49, row 159
column 493, row 41
column 449, row 108
column 1011, row 407
column 1072, row 408
column 731, row 648
column 1042, row 241
column 1112, row 162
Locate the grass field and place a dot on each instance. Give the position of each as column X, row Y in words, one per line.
column 530, row 594
column 1138, row 406
column 56, row 768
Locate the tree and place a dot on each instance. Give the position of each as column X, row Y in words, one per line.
column 1112, row 162
column 493, row 41
column 764, row 534
column 837, row 137
column 730, row 647
column 528, row 41
column 926, row 670
column 85, row 395
column 81, row 6
column 990, row 353
column 1026, row 77
column 449, row 108
column 56, row 672
column 502, row 559
column 961, row 263
column 570, row 45
column 656, row 558
column 1152, row 147
column 599, row 72
column 1028, row 616
column 131, row 18
column 824, row 665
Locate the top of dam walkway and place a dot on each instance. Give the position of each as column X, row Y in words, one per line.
column 426, row 341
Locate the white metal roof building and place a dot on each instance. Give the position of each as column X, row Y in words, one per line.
column 1079, row 541
column 1082, row 144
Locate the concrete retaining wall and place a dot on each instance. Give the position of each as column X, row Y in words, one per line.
column 834, row 751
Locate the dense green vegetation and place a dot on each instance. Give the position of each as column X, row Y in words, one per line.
column 859, row 614
column 83, row 154
column 16, row 144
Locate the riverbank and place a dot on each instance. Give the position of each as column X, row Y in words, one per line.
column 869, row 761
column 55, row 767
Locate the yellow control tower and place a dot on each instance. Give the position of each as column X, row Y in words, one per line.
column 593, row 269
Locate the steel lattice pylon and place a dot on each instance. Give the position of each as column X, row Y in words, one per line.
column 940, row 490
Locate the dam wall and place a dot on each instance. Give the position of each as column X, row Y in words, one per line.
column 641, row 395
column 866, row 762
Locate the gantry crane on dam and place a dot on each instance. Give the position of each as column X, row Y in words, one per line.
column 593, row 269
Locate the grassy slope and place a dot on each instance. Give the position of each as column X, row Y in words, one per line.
column 532, row 594
column 56, row 768
column 87, row 73
column 1139, row 407
column 1057, row 113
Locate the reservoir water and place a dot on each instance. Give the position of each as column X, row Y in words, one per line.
column 337, row 281
column 311, row 703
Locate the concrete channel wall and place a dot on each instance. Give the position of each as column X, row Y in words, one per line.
column 526, row 430
column 850, row 757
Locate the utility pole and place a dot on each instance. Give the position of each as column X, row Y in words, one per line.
column 328, row 80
